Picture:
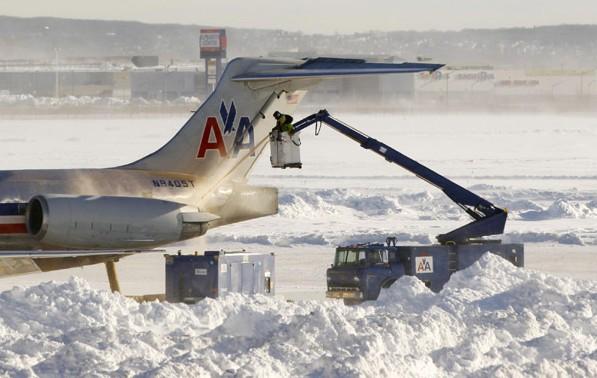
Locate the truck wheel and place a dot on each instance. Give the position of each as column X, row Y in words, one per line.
column 352, row 302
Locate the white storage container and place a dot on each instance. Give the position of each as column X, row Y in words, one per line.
column 285, row 150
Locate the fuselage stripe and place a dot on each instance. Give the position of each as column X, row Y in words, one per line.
column 12, row 208
column 12, row 219
column 13, row 228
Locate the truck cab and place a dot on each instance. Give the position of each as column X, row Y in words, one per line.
column 360, row 271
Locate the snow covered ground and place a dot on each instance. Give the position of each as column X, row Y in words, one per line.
column 491, row 320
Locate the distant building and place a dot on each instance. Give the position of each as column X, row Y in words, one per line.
column 162, row 83
column 454, row 80
column 165, row 85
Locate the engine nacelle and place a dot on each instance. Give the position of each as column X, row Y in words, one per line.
column 109, row 222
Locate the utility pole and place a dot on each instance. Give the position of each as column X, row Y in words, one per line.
column 57, row 76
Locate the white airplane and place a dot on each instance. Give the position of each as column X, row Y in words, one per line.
column 59, row 219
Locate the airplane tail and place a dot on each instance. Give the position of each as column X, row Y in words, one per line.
column 224, row 137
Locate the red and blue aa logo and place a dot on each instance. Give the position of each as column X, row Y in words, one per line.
column 215, row 130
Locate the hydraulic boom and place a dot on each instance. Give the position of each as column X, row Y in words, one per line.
column 487, row 218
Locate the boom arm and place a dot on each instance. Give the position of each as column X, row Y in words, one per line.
column 488, row 219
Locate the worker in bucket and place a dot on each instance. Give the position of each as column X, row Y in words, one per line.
column 283, row 122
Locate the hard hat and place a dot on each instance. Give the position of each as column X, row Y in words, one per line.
column 277, row 114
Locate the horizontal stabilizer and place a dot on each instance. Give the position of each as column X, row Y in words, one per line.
column 336, row 67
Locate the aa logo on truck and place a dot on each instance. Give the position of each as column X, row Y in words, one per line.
column 215, row 130
column 424, row 264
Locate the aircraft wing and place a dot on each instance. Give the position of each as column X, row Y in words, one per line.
column 75, row 253
column 336, row 67
column 22, row 262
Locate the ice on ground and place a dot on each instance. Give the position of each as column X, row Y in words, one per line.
column 491, row 319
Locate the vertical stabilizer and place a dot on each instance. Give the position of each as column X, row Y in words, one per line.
column 229, row 130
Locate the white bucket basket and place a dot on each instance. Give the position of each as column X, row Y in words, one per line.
column 285, row 150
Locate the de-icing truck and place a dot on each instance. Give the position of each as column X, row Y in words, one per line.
column 360, row 271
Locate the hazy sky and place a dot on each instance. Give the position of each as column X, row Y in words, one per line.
column 325, row 16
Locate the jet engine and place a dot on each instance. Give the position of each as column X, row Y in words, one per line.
column 110, row 222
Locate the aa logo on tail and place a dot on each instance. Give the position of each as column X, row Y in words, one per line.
column 213, row 137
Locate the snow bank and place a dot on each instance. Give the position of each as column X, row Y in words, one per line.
column 569, row 238
column 334, row 217
column 363, row 203
column 336, row 201
column 522, row 204
column 491, row 320
column 335, row 238
column 563, row 209
column 322, row 237
column 344, row 216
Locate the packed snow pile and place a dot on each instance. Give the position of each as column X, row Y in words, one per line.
column 491, row 320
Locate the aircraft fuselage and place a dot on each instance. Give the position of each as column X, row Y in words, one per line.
column 17, row 188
